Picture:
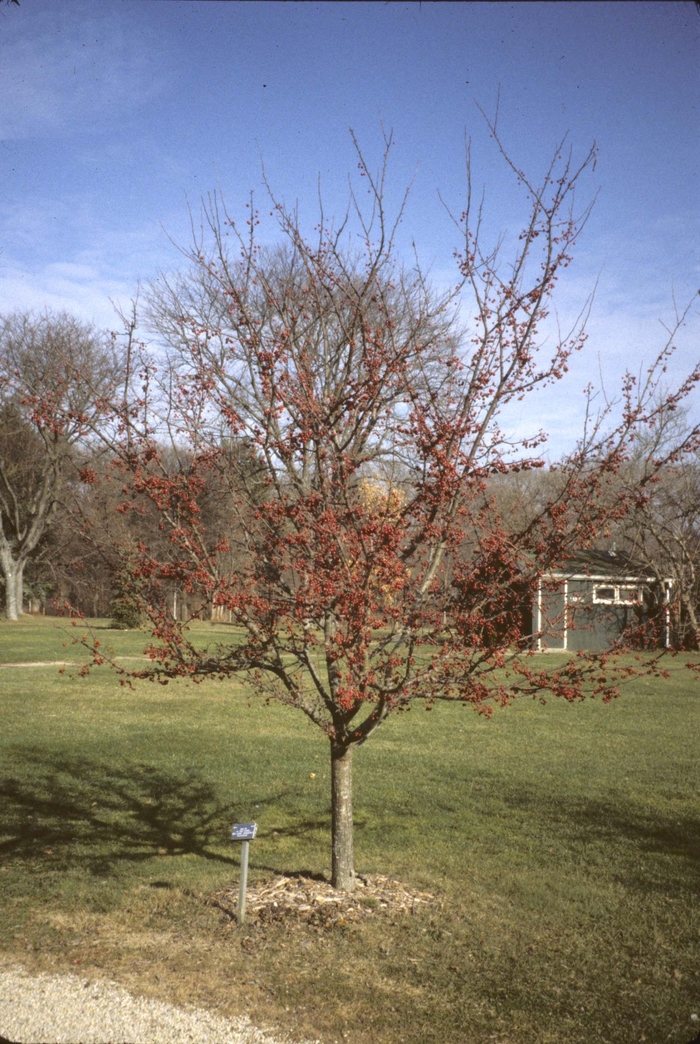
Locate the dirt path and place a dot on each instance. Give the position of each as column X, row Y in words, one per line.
column 63, row 663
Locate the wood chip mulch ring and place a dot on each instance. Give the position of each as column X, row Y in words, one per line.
column 307, row 900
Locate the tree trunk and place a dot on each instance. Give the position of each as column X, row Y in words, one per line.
column 19, row 588
column 343, row 870
column 692, row 627
column 14, row 590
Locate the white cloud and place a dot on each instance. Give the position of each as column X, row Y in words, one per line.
column 77, row 289
column 59, row 73
column 72, row 272
column 53, row 259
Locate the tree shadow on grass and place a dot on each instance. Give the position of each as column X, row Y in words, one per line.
column 82, row 812
column 630, row 830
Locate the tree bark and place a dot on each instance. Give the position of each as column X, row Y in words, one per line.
column 19, row 588
column 343, row 869
column 14, row 588
column 692, row 627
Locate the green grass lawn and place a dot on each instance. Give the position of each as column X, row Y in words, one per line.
column 563, row 843
column 42, row 638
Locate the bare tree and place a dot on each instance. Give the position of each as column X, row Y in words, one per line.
column 57, row 376
column 662, row 530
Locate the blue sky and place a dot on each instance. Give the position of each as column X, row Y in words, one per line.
column 115, row 113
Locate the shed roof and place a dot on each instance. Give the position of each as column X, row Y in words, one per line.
column 602, row 563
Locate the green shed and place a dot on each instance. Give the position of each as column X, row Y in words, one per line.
column 598, row 598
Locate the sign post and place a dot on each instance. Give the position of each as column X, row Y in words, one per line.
column 244, row 832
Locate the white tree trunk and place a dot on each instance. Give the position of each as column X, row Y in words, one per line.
column 14, row 587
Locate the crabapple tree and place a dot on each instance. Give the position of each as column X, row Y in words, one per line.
column 372, row 567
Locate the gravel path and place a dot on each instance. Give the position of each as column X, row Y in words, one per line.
column 64, row 1009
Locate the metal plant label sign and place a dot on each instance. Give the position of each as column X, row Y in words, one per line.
column 244, row 831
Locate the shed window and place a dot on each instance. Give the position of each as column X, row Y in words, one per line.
column 618, row 594
column 604, row 594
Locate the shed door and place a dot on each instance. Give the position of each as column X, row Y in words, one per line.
column 550, row 616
